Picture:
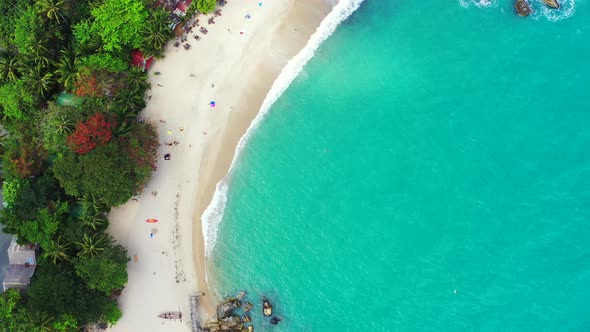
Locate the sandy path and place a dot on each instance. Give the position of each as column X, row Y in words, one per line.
column 235, row 70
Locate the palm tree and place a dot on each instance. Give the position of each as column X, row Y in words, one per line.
column 41, row 322
column 129, row 102
column 57, row 251
column 63, row 125
column 93, row 245
column 51, row 8
column 9, row 68
column 136, row 79
column 124, row 128
column 94, row 221
column 92, row 205
column 157, row 31
column 39, row 52
column 66, row 69
column 39, row 80
column 161, row 18
column 154, row 37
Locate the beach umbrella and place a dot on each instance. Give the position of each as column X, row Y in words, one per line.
column 212, row 103
column 152, row 221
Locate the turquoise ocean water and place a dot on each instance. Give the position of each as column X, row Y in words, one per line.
column 428, row 170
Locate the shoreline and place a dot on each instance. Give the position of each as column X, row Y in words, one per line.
column 235, row 64
column 224, row 150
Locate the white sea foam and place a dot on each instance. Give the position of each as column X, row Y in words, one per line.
column 478, row 3
column 213, row 215
column 540, row 10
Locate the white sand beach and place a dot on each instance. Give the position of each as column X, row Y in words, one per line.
column 234, row 64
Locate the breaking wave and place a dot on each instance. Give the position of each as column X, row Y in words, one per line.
column 213, row 214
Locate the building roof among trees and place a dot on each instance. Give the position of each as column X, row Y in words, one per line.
column 138, row 60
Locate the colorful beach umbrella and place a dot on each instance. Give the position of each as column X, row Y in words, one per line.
column 212, row 103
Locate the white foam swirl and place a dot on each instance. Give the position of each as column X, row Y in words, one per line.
column 213, row 215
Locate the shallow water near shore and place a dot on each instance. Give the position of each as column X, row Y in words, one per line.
column 427, row 171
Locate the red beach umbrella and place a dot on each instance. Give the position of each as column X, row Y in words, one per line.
column 152, row 221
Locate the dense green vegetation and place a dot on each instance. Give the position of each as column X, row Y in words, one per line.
column 66, row 164
column 206, row 6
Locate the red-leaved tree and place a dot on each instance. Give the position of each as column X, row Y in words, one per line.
column 90, row 134
column 86, row 85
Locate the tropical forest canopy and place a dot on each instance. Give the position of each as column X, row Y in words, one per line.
column 64, row 165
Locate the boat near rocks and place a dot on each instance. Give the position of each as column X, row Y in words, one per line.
column 551, row 4
column 266, row 307
column 522, row 8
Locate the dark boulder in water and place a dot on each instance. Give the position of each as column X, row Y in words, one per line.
column 552, row 3
column 266, row 307
column 275, row 320
column 227, row 307
column 522, row 8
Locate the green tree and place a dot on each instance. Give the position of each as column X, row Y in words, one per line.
column 103, row 61
column 13, row 315
column 10, row 10
column 112, row 313
column 39, row 80
column 52, row 9
column 11, row 190
column 90, row 246
column 57, row 290
column 129, row 101
column 119, row 23
column 16, row 99
column 65, row 323
column 57, row 123
column 57, row 251
column 27, row 29
column 106, row 271
column 106, row 172
column 67, row 69
column 206, row 6
column 38, row 53
column 42, row 229
column 82, row 33
column 136, row 79
column 9, row 68
column 156, row 35
column 41, row 322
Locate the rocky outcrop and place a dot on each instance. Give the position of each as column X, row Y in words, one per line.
column 522, row 8
column 552, row 3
